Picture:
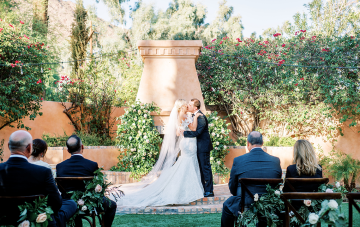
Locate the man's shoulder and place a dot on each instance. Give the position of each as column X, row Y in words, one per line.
column 72, row 161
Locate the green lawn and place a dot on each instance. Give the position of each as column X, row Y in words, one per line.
column 207, row 220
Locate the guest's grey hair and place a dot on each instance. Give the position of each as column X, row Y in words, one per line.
column 255, row 138
column 19, row 140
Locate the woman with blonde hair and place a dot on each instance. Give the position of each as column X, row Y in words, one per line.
column 306, row 166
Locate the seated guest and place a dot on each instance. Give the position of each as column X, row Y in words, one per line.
column 38, row 153
column 78, row 166
column 18, row 177
column 255, row 164
column 306, row 166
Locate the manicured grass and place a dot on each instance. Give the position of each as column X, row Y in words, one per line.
column 208, row 220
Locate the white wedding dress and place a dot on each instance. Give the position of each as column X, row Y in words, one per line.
column 175, row 183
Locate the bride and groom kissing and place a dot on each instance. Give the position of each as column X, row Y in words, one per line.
column 177, row 179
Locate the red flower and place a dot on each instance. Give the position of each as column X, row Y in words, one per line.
column 12, row 65
column 49, row 69
column 221, row 42
column 115, row 91
column 41, row 99
column 213, row 40
column 39, row 81
column 16, row 62
column 285, row 53
column 352, row 37
column 21, row 22
column 276, row 34
column 296, row 84
column 1, row 29
column 11, row 26
column 237, row 45
column 302, row 78
column 283, row 45
column 303, row 31
column 314, row 37
column 125, row 101
column 302, row 38
column 266, row 42
column 325, row 50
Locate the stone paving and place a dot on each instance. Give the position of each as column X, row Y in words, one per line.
column 200, row 206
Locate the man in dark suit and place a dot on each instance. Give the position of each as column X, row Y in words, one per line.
column 204, row 147
column 255, row 164
column 18, row 177
column 78, row 166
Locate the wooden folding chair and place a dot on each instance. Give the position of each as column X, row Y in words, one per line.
column 292, row 182
column 19, row 200
column 90, row 216
column 254, row 181
column 351, row 197
column 303, row 196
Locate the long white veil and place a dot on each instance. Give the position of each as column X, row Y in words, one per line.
column 167, row 157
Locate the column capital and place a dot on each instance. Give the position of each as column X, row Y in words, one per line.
column 169, row 48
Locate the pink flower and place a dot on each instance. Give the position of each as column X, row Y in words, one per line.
column 39, row 81
column 1, row 29
column 11, row 26
column 307, row 203
column 283, row 45
column 296, row 84
column 276, row 34
column 302, row 78
column 41, row 99
column 221, row 42
column 21, row 22
column 237, row 45
column 49, row 69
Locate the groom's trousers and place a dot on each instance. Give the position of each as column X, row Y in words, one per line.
column 205, row 171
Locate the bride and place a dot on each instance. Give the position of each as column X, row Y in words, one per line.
column 170, row 181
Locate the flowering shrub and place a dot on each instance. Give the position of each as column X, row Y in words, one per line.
column 267, row 206
column 220, row 139
column 92, row 99
column 92, row 198
column 36, row 214
column 21, row 85
column 295, row 101
column 138, row 140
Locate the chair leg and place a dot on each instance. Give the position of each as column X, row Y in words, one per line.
column 350, row 212
column 287, row 217
column 93, row 216
column 101, row 220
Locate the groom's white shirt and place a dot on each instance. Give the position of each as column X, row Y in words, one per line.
column 196, row 112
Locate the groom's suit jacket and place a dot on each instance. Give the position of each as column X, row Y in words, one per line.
column 18, row 177
column 202, row 134
column 255, row 164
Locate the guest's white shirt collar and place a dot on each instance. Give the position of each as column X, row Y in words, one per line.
column 196, row 112
column 77, row 154
column 18, row 156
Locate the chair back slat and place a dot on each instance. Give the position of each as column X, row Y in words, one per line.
column 61, row 180
column 290, row 182
column 28, row 198
column 254, row 181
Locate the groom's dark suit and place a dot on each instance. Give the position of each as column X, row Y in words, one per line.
column 204, row 147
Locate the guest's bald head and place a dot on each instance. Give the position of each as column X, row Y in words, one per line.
column 255, row 138
column 74, row 144
column 20, row 142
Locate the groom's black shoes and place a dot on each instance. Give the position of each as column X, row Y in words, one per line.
column 209, row 194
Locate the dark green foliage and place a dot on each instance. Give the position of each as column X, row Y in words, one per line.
column 276, row 141
column 30, row 212
column 79, row 39
column 86, row 139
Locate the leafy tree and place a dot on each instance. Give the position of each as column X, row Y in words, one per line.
column 40, row 19
column 21, row 85
column 225, row 24
column 79, row 39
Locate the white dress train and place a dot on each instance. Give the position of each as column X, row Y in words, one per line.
column 180, row 184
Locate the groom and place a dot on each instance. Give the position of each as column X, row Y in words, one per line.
column 204, row 146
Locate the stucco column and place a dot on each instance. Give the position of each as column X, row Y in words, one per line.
column 169, row 72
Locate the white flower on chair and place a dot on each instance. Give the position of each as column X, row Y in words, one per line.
column 84, row 208
column 80, row 202
column 98, row 188
column 41, row 218
column 25, row 223
column 328, row 190
column 313, row 218
column 333, row 205
column 307, row 203
column 337, row 184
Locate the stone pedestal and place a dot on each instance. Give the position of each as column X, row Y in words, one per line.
column 169, row 72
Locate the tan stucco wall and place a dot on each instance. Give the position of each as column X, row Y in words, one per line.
column 52, row 121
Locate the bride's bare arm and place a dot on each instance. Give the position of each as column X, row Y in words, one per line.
column 193, row 125
column 181, row 119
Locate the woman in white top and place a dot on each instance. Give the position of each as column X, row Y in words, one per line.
column 39, row 151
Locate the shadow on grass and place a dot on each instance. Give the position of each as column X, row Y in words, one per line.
column 208, row 220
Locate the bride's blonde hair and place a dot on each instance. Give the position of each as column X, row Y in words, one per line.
column 180, row 103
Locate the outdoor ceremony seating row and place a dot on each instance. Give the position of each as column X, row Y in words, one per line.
column 351, row 197
column 89, row 216
column 290, row 182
